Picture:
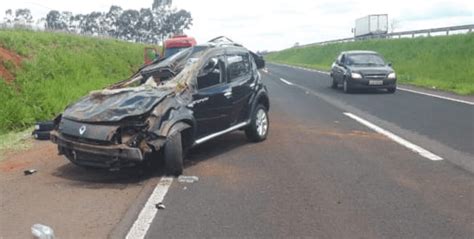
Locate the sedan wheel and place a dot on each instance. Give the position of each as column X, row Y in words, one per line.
column 347, row 88
column 334, row 83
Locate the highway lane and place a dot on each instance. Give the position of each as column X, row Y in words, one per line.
column 320, row 174
column 450, row 123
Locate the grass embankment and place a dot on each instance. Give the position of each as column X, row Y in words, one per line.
column 444, row 62
column 57, row 69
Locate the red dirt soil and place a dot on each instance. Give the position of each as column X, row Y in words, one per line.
column 7, row 55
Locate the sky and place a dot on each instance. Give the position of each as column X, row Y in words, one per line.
column 279, row 24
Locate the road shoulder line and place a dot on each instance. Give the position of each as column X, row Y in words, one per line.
column 436, row 96
column 415, row 148
column 147, row 214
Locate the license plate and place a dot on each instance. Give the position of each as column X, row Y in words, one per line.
column 375, row 82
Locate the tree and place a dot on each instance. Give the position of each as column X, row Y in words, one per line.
column 110, row 23
column 126, row 25
column 23, row 17
column 145, row 25
column 161, row 4
column 8, row 17
column 176, row 22
column 92, row 24
column 54, row 21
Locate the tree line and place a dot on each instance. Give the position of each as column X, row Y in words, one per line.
column 148, row 25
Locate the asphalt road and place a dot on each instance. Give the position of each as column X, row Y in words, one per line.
column 321, row 174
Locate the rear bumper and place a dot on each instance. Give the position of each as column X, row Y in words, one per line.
column 103, row 156
column 364, row 84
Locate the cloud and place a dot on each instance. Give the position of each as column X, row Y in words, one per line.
column 440, row 10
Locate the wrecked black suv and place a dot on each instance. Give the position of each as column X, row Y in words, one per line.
column 166, row 108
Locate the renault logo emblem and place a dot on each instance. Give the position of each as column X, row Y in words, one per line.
column 82, row 130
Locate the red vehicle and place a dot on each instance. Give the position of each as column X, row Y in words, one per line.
column 177, row 43
column 171, row 46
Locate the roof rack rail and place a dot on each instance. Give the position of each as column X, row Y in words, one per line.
column 223, row 40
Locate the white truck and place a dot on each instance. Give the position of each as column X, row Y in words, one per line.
column 375, row 24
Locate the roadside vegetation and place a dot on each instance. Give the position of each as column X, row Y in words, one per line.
column 442, row 62
column 55, row 70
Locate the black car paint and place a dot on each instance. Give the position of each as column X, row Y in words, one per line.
column 135, row 122
column 340, row 71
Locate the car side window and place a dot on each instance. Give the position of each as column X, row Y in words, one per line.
column 211, row 74
column 238, row 66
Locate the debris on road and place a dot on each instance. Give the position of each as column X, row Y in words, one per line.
column 42, row 232
column 160, row 206
column 30, row 172
column 43, row 129
column 187, row 179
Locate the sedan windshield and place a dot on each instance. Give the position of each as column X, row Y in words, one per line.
column 365, row 59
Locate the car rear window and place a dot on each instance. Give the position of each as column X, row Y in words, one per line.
column 365, row 59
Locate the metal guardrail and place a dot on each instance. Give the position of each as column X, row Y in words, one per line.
column 447, row 30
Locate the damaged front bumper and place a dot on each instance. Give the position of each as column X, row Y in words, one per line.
column 103, row 156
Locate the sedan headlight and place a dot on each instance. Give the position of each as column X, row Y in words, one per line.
column 356, row 76
column 392, row 75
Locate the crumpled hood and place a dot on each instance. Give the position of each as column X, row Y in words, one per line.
column 115, row 105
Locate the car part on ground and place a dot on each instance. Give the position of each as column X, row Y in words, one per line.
column 42, row 130
column 166, row 108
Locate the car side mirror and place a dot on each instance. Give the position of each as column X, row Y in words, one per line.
column 260, row 62
column 389, row 64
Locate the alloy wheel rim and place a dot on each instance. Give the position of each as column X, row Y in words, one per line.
column 261, row 122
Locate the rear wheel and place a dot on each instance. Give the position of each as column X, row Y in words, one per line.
column 392, row 90
column 173, row 154
column 259, row 125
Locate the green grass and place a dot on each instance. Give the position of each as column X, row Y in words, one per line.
column 443, row 62
column 58, row 69
column 15, row 141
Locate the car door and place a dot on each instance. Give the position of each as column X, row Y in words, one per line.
column 212, row 104
column 241, row 80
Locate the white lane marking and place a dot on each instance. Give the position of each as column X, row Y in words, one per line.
column 415, row 148
column 436, row 96
column 286, row 82
column 265, row 70
column 145, row 218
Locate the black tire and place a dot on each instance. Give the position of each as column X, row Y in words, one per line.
column 173, row 154
column 258, row 129
column 44, row 126
column 334, row 83
column 346, row 87
column 41, row 135
column 392, row 90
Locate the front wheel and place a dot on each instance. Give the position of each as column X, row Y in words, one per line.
column 173, row 154
column 392, row 90
column 347, row 89
column 259, row 125
column 334, row 83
